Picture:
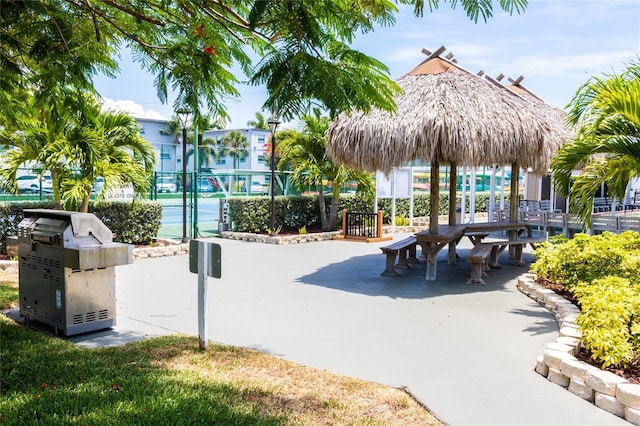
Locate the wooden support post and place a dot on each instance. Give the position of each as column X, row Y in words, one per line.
column 515, row 202
column 453, row 175
column 379, row 225
column 344, row 222
column 434, row 197
column 432, row 265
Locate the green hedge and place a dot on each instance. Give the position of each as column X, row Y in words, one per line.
column 253, row 214
column 134, row 223
column 602, row 273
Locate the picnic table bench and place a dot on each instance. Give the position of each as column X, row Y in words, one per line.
column 484, row 256
column 405, row 250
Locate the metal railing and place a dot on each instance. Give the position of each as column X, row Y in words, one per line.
column 359, row 225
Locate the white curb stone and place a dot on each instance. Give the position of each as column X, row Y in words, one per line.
column 603, row 382
column 555, row 376
column 557, row 346
column 576, row 370
column 571, row 341
column 541, row 292
column 570, row 332
column 629, row 395
column 541, row 367
column 580, row 389
column 632, row 415
column 609, row 403
column 554, row 358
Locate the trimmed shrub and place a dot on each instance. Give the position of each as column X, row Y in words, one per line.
column 135, row 223
column 253, row 214
column 602, row 273
column 586, row 258
column 610, row 320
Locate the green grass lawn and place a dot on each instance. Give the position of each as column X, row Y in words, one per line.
column 47, row 380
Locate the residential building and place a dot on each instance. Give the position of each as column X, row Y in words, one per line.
column 168, row 147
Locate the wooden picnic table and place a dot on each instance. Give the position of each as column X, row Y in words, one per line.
column 432, row 243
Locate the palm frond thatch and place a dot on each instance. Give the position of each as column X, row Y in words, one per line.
column 449, row 115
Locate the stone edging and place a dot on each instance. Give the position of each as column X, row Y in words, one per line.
column 558, row 364
column 287, row 239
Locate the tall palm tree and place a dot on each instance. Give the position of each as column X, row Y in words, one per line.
column 303, row 152
column 259, row 122
column 607, row 146
column 207, row 151
column 235, row 145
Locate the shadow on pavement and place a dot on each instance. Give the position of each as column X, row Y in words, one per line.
column 361, row 274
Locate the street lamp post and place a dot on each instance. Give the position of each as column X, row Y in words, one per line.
column 183, row 116
column 273, row 125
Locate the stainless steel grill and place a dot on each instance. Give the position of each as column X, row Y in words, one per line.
column 67, row 270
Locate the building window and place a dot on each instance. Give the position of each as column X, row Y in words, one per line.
column 260, row 139
column 221, row 161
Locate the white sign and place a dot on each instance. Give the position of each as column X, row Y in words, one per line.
column 124, row 193
column 383, row 185
column 402, row 180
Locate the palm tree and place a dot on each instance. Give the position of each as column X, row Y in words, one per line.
column 607, row 146
column 39, row 124
column 259, row 122
column 235, row 145
column 207, row 151
column 107, row 144
column 304, row 153
column 80, row 147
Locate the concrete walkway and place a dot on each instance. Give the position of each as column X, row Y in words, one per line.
column 466, row 352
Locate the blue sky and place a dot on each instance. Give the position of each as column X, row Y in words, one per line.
column 556, row 45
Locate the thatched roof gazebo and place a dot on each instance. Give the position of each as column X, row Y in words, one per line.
column 555, row 118
column 446, row 115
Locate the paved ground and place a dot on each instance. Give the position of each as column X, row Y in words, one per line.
column 466, row 352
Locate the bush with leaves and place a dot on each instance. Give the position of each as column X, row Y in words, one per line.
column 135, row 223
column 602, row 273
column 610, row 320
column 586, row 258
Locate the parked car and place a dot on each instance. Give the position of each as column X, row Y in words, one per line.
column 166, row 184
column 208, row 184
column 205, row 185
column 31, row 184
column 257, row 188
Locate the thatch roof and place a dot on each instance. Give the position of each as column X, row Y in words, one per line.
column 449, row 115
column 554, row 117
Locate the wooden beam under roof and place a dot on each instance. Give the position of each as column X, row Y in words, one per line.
column 517, row 81
column 435, row 54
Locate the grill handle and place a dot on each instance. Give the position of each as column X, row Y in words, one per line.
column 45, row 238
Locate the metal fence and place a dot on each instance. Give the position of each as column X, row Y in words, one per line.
column 204, row 192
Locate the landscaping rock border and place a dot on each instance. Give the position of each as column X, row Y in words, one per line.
column 559, row 365
column 277, row 239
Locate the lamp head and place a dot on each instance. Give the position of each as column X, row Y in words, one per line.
column 183, row 116
column 273, row 124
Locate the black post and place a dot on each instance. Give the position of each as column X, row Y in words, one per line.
column 273, row 183
column 184, row 184
column 273, row 125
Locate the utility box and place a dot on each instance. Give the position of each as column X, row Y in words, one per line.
column 67, row 270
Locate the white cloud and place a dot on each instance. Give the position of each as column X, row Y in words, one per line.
column 571, row 64
column 131, row 107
